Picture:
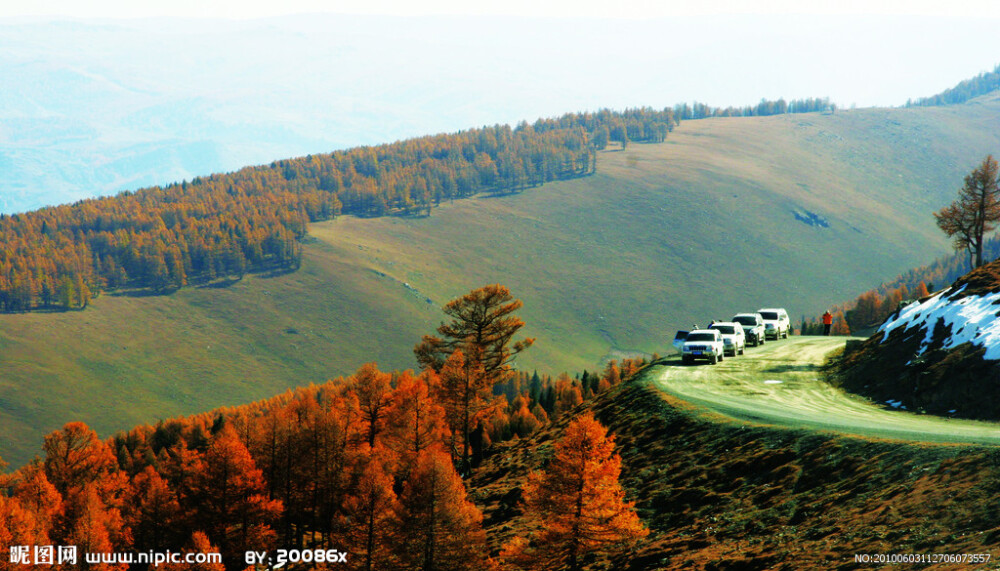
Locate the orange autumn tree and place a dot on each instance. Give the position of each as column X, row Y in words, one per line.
column 85, row 473
column 921, row 291
column 369, row 511
column 840, row 326
column 232, row 505
column 466, row 393
column 417, row 420
column 474, row 353
column 17, row 528
column 373, row 389
column 94, row 527
column 576, row 503
column 35, row 494
column 439, row 527
column 153, row 512
column 75, row 457
column 30, row 508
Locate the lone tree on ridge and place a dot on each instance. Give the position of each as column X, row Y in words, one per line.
column 975, row 213
column 475, row 351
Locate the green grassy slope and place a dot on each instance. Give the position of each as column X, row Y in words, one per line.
column 662, row 236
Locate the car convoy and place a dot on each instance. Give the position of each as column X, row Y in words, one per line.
column 731, row 337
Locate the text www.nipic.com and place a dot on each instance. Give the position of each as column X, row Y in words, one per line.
column 155, row 558
column 63, row 554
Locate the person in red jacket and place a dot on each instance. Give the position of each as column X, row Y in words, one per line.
column 827, row 322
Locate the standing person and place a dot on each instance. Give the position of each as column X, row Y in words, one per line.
column 827, row 322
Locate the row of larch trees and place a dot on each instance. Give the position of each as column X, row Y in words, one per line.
column 766, row 107
column 370, row 464
column 253, row 219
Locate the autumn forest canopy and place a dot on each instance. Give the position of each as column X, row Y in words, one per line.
column 372, row 463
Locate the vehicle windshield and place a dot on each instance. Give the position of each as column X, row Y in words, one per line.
column 701, row 337
column 745, row 320
column 725, row 329
column 772, row 315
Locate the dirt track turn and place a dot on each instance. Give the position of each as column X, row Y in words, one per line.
column 779, row 384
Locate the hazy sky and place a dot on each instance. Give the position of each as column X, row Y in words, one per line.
column 634, row 9
column 140, row 92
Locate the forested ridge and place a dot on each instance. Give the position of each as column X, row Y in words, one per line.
column 984, row 83
column 766, row 107
column 161, row 239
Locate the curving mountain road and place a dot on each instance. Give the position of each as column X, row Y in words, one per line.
column 779, row 384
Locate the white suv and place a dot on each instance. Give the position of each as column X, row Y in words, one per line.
column 776, row 322
column 703, row 344
column 753, row 327
column 733, row 339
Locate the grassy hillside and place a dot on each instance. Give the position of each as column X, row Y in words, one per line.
column 703, row 226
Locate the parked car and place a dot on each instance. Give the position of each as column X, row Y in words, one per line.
column 776, row 322
column 734, row 340
column 679, row 340
column 753, row 327
column 703, row 344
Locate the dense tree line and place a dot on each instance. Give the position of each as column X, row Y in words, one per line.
column 365, row 464
column 986, row 82
column 642, row 125
column 224, row 225
column 683, row 111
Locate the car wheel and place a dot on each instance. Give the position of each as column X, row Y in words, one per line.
column 743, row 350
column 686, row 360
column 722, row 356
column 713, row 359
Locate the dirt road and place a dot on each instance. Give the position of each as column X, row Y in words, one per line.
column 779, row 384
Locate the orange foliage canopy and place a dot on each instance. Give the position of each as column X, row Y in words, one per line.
column 360, row 463
column 577, row 502
column 441, row 528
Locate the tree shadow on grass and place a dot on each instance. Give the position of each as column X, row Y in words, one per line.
column 137, row 292
column 220, row 284
column 802, row 368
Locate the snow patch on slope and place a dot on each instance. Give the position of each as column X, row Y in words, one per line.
column 971, row 319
